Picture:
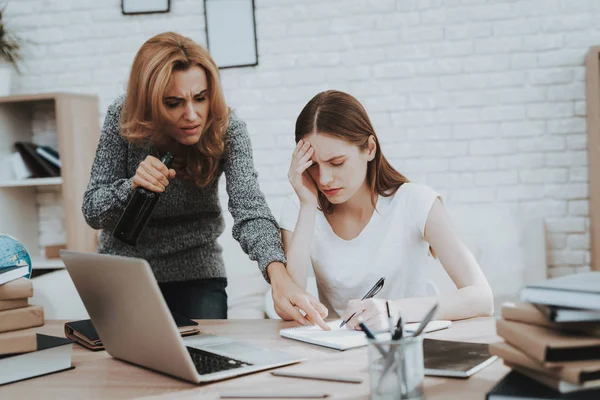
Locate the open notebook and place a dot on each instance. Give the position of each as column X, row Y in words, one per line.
column 344, row 338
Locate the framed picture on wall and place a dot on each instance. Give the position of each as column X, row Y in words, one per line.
column 231, row 32
column 133, row 7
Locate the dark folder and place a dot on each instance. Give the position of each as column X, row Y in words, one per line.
column 84, row 333
column 37, row 165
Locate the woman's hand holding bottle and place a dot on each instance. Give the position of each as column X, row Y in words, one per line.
column 153, row 175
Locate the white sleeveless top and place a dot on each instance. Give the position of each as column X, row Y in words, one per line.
column 391, row 245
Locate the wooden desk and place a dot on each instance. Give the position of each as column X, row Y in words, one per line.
column 98, row 376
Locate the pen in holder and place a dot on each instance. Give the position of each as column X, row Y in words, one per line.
column 397, row 374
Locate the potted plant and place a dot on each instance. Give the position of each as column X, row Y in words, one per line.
column 10, row 47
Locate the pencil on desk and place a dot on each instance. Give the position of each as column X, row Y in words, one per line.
column 272, row 395
column 321, row 377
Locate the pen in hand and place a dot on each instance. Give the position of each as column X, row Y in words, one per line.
column 374, row 290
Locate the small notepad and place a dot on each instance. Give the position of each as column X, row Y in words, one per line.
column 344, row 338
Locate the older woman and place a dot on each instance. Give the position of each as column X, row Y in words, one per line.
column 174, row 103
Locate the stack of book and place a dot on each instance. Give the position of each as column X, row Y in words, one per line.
column 552, row 340
column 25, row 354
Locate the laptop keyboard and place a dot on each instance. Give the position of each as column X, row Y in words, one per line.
column 208, row 363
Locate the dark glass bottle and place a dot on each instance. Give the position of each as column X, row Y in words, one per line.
column 138, row 211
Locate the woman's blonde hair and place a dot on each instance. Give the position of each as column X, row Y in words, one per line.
column 144, row 114
column 340, row 115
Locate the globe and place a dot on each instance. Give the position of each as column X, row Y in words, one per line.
column 12, row 252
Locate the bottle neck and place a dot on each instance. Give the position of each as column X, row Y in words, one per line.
column 167, row 159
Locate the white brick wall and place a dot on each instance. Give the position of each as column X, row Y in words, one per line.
column 483, row 100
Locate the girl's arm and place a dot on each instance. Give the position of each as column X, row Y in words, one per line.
column 472, row 299
column 474, row 296
column 296, row 244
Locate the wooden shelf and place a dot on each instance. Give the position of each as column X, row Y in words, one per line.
column 592, row 86
column 20, row 98
column 77, row 132
column 42, row 263
column 32, row 182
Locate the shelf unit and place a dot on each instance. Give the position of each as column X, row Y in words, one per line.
column 77, row 130
column 592, row 89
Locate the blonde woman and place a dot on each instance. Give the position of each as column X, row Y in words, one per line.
column 355, row 219
column 174, row 102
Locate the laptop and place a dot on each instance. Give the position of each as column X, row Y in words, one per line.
column 135, row 325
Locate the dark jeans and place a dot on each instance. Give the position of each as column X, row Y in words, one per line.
column 197, row 299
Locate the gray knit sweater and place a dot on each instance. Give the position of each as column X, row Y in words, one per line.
column 180, row 240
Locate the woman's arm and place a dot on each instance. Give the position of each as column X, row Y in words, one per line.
column 296, row 244
column 108, row 189
column 257, row 231
column 474, row 296
column 254, row 227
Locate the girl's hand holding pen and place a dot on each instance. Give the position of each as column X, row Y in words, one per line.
column 372, row 311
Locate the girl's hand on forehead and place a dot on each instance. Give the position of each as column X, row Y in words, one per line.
column 301, row 181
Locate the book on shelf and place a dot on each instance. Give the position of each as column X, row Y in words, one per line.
column 21, row 288
column 50, row 155
column 12, row 272
column 19, row 168
column 531, row 314
column 52, row 354
column 574, row 291
column 17, row 342
column 548, row 346
column 13, row 303
column 39, row 167
column 21, row 318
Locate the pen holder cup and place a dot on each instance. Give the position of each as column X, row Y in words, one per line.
column 396, row 369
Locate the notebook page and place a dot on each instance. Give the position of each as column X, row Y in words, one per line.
column 344, row 338
column 337, row 338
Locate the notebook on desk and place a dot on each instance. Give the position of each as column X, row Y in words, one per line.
column 84, row 333
column 343, row 338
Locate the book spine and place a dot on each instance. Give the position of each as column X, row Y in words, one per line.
column 18, row 289
column 21, row 318
column 529, row 345
column 527, row 314
column 14, row 343
column 513, row 356
column 12, row 304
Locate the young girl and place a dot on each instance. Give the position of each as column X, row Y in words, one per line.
column 174, row 102
column 357, row 219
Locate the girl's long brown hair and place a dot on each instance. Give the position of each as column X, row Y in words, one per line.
column 144, row 114
column 340, row 115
